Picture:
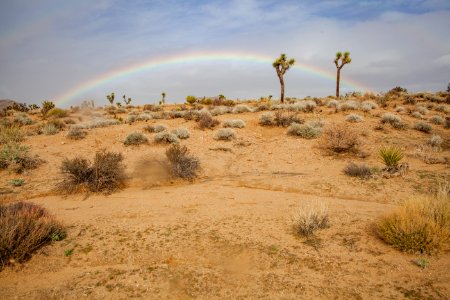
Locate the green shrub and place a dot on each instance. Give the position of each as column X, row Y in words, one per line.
column 17, row 182
column 391, row 156
column 191, row 99
column 106, row 173
column 17, row 157
column 22, row 119
column 135, row 138
column 424, row 127
column 419, row 225
column 46, row 107
column 57, row 113
column 311, row 217
column 181, row 163
column 24, row 228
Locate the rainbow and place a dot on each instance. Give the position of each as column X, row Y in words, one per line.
column 152, row 64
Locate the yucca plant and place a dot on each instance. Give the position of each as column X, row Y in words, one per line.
column 391, row 156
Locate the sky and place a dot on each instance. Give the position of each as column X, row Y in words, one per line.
column 74, row 50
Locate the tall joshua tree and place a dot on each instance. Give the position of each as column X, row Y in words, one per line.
column 340, row 62
column 163, row 100
column 281, row 65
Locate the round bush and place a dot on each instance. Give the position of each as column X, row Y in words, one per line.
column 135, row 138
column 225, row 134
column 236, row 123
column 305, row 131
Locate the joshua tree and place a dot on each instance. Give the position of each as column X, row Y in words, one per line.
column 110, row 98
column 119, row 104
column 125, row 100
column 46, row 107
column 163, row 100
column 343, row 61
column 281, row 65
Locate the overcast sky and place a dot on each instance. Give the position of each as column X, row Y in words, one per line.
column 50, row 47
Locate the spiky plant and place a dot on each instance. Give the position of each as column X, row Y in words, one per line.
column 340, row 62
column 110, row 98
column 391, row 156
column 46, row 107
column 281, row 65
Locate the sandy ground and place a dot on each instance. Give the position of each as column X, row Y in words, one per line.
column 228, row 234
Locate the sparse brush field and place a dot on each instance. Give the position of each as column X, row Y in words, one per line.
column 294, row 201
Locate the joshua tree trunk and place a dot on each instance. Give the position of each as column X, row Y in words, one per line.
column 338, row 79
column 282, row 87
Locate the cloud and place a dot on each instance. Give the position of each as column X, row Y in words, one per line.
column 49, row 47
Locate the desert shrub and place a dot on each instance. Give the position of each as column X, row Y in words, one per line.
column 98, row 123
column 354, row 118
column 393, row 120
column 447, row 122
column 305, row 106
column 418, row 225
column 285, row 119
column 362, row 171
column 220, row 110
column 10, row 134
column 410, row 100
column 399, row 109
column 153, row 107
column 438, row 120
column 18, row 158
column 135, row 138
column 105, row 174
column 225, row 134
column 191, row 99
column 306, row 131
column 333, row 103
column 76, row 133
column 424, row 127
column 266, row 119
column 391, row 156
column 46, row 107
column 69, row 121
column 24, row 228
column 422, row 110
column 166, row 137
column 340, row 138
column 417, row 115
column 368, row 105
column 22, row 119
column 49, row 129
column 436, row 141
column 236, row 123
column 238, row 109
column 57, row 113
column 181, row 133
column 155, row 128
column 206, row 121
column 131, row 118
column 443, row 108
column 181, row 163
column 348, row 105
column 311, row 217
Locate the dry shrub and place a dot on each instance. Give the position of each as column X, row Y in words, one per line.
column 57, row 113
column 24, row 228
column 135, row 138
column 362, row 171
column 340, row 138
column 11, row 134
column 105, row 174
column 418, row 225
column 18, row 158
column 206, row 121
column 311, row 217
column 181, row 163
column 285, row 119
column 76, row 133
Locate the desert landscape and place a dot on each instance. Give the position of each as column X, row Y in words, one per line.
column 232, row 228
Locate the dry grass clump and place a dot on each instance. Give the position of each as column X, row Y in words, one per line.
column 362, row 171
column 284, row 119
column 17, row 157
column 181, row 163
column 435, row 141
column 49, row 129
column 225, row 134
column 76, row 133
column 182, row 133
column 311, row 217
column 106, row 173
column 348, row 105
column 166, row 138
column 206, row 121
column 236, row 123
column 306, row 131
column 368, row 105
column 340, row 138
column 437, row 120
column 10, row 134
column 424, row 127
column 24, row 228
column 155, row 128
column 418, row 225
column 354, row 118
column 135, row 138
